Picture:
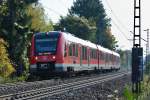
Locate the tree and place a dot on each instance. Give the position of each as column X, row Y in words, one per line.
column 94, row 10
column 80, row 27
column 108, row 42
column 16, row 27
column 6, row 67
column 38, row 19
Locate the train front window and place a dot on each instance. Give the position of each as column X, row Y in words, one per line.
column 46, row 44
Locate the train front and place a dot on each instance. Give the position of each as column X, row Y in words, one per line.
column 45, row 52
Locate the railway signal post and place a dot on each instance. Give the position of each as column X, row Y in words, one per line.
column 137, row 50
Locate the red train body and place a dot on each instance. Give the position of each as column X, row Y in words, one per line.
column 57, row 52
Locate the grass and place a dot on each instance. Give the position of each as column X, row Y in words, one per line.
column 21, row 78
column 128, row 95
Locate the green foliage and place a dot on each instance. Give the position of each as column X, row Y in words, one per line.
column 94, row 11
column 90, row 9
column 6, row 68
column 145, row 91
column 3, row 8
column 79, row 26
column 19, row 20
column 38, row 19
column 21, row 78
column 127, row 94
column 147, row 69
column 108, row 40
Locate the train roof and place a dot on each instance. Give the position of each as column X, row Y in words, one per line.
column 116, row 54
column 75, row 39
column 70, row 37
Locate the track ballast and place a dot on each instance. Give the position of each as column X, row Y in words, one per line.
column 59, row 88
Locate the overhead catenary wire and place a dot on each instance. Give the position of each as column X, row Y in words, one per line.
column 116, row 17
column 62, row 4
column 120, row 23
column 54, row 11
column 121, row 32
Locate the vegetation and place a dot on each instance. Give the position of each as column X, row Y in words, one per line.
column 18, row 21
column 147, row 64
column 6, row 69
column 93, row 10
column 39, row 21
column 80, row 27
column 128, row 95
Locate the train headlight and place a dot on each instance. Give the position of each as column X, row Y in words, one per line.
column 36, row 58
column 53, row 57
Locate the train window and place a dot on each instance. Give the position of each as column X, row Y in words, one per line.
column 99, row 55
column 104, row 56
column 73, row 49
column 85, row 53
column 46, row 43
column 82, row 52
column 113, row 58
column 108, row 57
column 76, row 50
column 70, row 50
column 94, row 54
column 91, row 51
column 65, row 50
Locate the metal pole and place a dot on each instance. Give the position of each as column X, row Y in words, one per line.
column 147, row 50
column 136, row 63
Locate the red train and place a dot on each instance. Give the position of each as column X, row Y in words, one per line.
column 60, row 52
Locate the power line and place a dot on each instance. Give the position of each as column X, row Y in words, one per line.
column 54, row 11
column 61, row 1
column 108, row 4
column 141, row 37
column 118, row 21
column 121, row 31
column 116, row 16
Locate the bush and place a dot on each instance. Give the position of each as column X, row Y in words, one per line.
column 6, row 68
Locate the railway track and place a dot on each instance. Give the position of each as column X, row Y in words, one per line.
column 9, row 88
column 58, row 89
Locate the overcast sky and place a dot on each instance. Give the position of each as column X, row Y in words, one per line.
column 120, row 11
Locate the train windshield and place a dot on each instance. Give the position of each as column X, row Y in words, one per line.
column 46, row 43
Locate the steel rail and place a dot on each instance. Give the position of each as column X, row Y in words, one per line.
column 9, row 88
column 49, row 91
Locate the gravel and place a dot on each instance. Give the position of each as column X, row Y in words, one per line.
column 104, row 91
column 111, row 90
column 21, row 87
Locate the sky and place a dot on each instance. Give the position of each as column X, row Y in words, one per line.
column 120, row 12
